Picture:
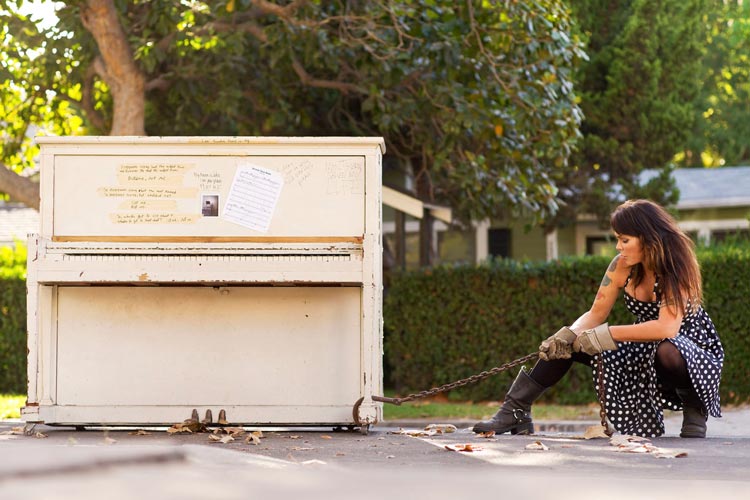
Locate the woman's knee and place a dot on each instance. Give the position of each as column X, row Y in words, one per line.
column 670, row 365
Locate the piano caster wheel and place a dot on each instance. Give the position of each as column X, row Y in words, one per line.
column 365, row 429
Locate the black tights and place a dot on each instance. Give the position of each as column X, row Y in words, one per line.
column 671, row 368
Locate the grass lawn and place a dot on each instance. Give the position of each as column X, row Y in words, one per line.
column 479, row 411
column 10, row 406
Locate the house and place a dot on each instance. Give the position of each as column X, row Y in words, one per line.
column 714, row 203
column 16, row 222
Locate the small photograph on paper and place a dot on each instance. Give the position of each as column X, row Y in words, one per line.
column 210, row 205
column 253, row 196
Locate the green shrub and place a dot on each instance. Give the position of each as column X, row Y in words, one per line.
column 13, row 319
column 449, row 323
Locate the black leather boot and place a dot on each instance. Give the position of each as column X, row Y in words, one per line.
column 514, row 415
column 694, row 415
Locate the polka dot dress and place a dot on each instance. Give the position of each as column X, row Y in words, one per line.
column 634, row 398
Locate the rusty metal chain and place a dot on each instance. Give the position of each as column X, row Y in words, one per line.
column 602, row 394
column 483, row 375
column 458, row 383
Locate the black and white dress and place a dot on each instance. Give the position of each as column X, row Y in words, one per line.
column 634, row 397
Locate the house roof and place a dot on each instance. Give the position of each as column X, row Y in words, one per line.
column 710, row 187
column 16, row 222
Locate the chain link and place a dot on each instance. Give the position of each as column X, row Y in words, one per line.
column 458, row 383
column 601, row 393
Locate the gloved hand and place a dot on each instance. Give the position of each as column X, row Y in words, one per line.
column 558, row 346
column 595, row 341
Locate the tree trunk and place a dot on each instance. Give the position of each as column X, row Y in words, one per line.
column 424, row 193
column 117, row 67
column 119, row 71
column 19, row 188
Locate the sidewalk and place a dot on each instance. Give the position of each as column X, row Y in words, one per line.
column 318, row 463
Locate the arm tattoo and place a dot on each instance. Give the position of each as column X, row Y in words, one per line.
column 606, row 281
column 613, row 264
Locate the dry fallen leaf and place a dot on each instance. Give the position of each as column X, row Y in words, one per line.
column 441, row 428
column 108, row 440
column 594, row 432
column 188, row 426
column 223, row 439
column 537, row 445
column 637, row 444
column 254, row 438
column 325, row 437
column 665, row 453
column 232, row 431
column 139, row 432
column 38, row 434
column 486, row 435
column 416, row 433
column 16, row 431
column 407, row 432
column 468, row 447
column 620, row 440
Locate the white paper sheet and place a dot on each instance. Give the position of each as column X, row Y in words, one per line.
column 253, row 196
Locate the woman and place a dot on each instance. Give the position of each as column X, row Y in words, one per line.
column 670, row 358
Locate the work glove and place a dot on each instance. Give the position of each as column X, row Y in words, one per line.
column 558, row 346
column 595, row 341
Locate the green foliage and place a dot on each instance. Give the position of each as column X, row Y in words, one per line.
column 37, row 86
column 723, row 107
column 474, row 98
column 636, row 94
column 726, row 287
column 10, row 405
column 12, row 319
column 13, row 261
column 449, row 323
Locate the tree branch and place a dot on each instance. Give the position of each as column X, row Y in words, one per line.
column 19, row 188
column 284, row 12
column 224, row 27
column 308, row 80
column 161, row 82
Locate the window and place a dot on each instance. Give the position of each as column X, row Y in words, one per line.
column 600, row 245
column 730, row 235
column 498, row 242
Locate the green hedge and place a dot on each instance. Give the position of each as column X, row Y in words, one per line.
column 13, row 320
column 449, row 323
column 452, row 322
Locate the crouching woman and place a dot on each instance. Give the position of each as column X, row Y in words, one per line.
column 670, row 358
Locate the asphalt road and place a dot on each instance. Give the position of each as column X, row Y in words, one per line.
column 390, row 461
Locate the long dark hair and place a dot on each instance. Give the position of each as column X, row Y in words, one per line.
column 667, row 250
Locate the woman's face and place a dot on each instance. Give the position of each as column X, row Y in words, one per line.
column 630, row 248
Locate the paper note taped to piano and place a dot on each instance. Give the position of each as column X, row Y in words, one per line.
column 253, row 196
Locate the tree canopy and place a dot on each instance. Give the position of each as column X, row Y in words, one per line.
column 637, row 92
column 721, row 134
column 474, row 98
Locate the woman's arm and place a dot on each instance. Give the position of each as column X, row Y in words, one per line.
column 666, row 326
column 609, row 289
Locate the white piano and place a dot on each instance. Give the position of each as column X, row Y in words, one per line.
column 181, row 274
